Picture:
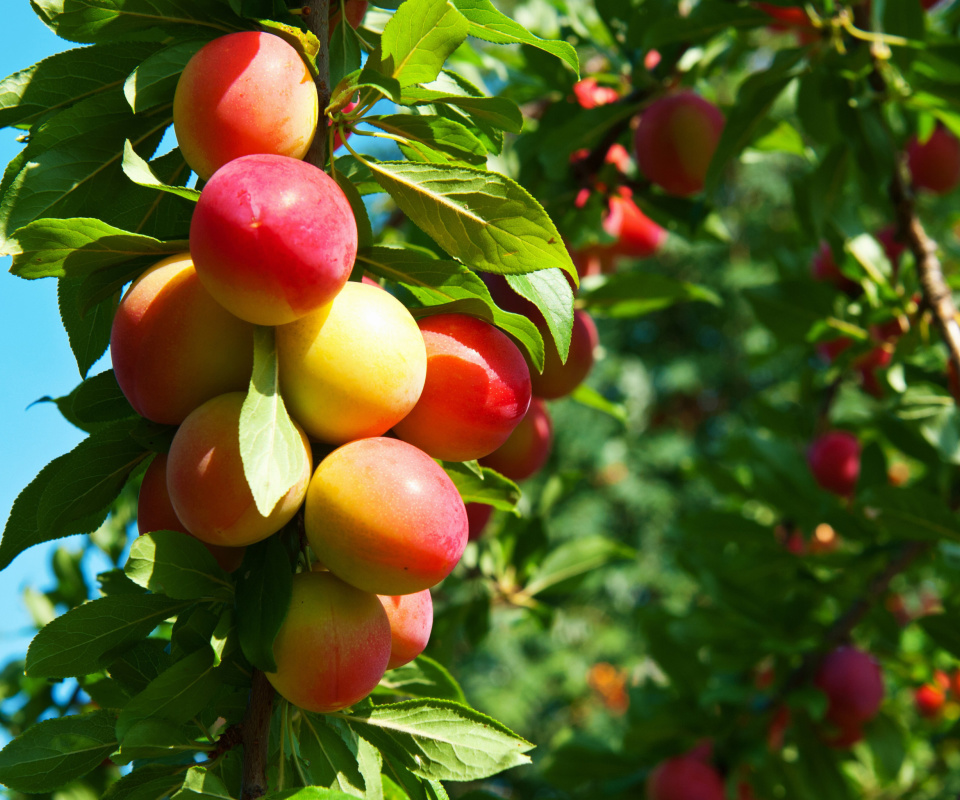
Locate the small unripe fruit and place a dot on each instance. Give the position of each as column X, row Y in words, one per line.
column 272, row 238
column 208, row 488
column 853, row 683
column 935, row 164
column 590, row 94
column 477, row 389
column 527, row 449
column 383, row 516
column 638, row 236
column 411, row 620
column 333, row 646
column 155, row 513
column 675, row 142
column 354, row 367
column 241, row 94
column 834, row 460
column 684, row 778
column 173, row 346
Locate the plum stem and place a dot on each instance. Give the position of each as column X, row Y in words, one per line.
column 256, row 737
column 317, row 20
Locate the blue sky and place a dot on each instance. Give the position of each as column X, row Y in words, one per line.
column 36, row 361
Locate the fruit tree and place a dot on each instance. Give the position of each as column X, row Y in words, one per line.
column 529, row 399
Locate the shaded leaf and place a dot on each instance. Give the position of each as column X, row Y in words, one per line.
column 177, row 565
column 264, row 590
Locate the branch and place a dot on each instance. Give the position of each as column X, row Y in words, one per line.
column 841, row 629
column 255, row 731
column 317, row 19
column 936, row 293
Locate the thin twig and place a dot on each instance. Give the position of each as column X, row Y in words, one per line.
column 256, row 737
column 317, row 20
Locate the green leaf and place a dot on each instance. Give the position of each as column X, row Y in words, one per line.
column 74, row 643
column 264, row 590
column 66, row 78
column 441, row 740
column 422, row 677
column 706, row 21
column 90, row 477
column 56, row 248
column 349, row 189
column 498, row 111
column 574, row 558
column 333, row 763
column 588, row 396
column 344, row 52
column 201, row 783
column 483, row 219
column 95, row 402
column 155, row 738
column 272, row 450
column 310, row 793
column 147, row 782
column 56, row 751
column 138, row 664
column 23, row 530
column 438, row 133
column 550, row 292
column 88, row 331
column 493, row 489
column 177, row 565
column 633, row 294
column 154, row 81
column 449, row 287
column 109, row 20
column 139, row 171
column 487, row 23
column 418, row 39
column 913, row 513
column 176, row 695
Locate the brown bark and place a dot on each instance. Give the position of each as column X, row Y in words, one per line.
column 317, row 18
column 256, row 737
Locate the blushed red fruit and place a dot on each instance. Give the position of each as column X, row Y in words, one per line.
column 241, row 94
column 558, row 378
column 155, row 513
column 354, row 367
column 476, row 391
column 272, row 238
column 383, row 516
column 354, row 11
column 637, row 235
column 684, row 778
column 173, row 346
column 935, row 164
column 844, row 736
column 478, row 515
column 787, row 17
column 824, row 268
column 675, row 141
column 930, row 700
column 834, row 460
column 527, row 448
column 208, row 489
column 333, row 646
column 337, row 140
column 411, row 620
column 853, row 683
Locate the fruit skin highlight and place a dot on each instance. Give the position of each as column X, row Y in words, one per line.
column 477, row 389
column 411, row 620
column 384, row 516
column 333, row 646
column 208, row 488
column 354, row 367
column 155, row 513
column 272, row 238
column 173, row 346
column 242, row 94
column 675, row 141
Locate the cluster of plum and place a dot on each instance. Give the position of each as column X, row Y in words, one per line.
column 853, row 685
column 674, row 141
column 374, row 395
